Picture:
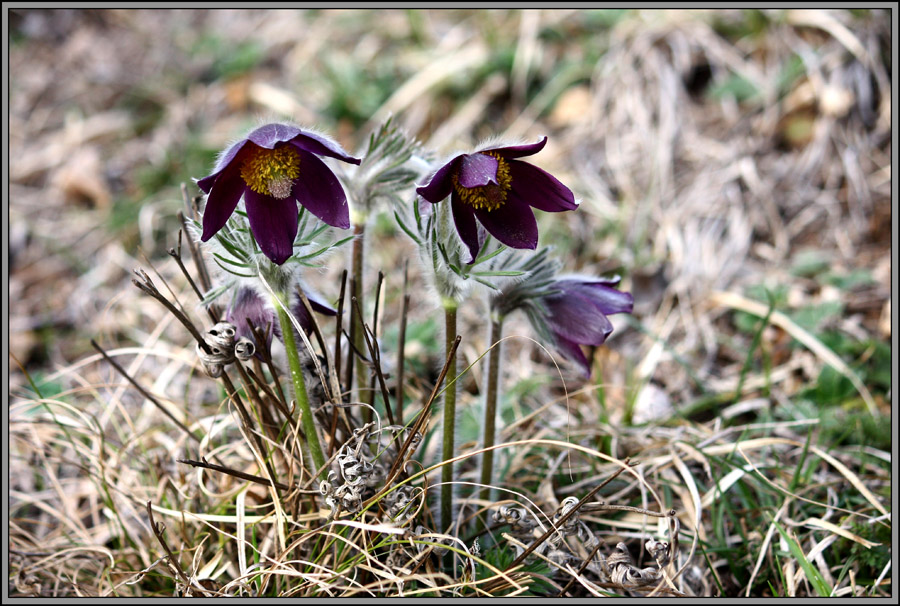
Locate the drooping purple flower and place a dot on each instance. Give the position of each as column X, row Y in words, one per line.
column 274, row 168
column 499, row 190
column 576, row 314
column 249, row 305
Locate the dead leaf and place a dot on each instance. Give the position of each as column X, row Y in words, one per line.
column 81, row 179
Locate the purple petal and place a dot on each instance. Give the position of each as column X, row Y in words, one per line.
column 205, row 184
column 322, row 146
column 589, row 280
column 441, row 183
column 248, row 305
column 476, row 170
column 222, row 201
column 606, row 299
column 222, row 164
column 318, row 302
column 270, row 135
column 576, row 318
column 572, row 351
column 273, row 223
column 303, row 318
column 513, row 224
column 320, row 192
column 540, row 189
column 518, row 151
column 466, row 226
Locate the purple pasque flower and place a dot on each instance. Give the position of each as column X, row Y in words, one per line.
column 247, row 304
column 576, row 314
column 499, row 190
column 274, row 168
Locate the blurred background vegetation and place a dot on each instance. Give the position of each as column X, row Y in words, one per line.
column 737, row 151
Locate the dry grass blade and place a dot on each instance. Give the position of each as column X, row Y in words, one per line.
column 844, row 471
column 144, row 392
column 158, row 530
column 735, row 301
column 441, row 68
column 236, row 473
column 826, row 525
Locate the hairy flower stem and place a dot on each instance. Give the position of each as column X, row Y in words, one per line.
column 306, row 415
column 449, row 418
column 364, row 393
column 490, row 408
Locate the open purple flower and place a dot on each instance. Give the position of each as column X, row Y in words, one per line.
column 500, row 191
column 249, row 305
column 275, row 167
column 576, row 314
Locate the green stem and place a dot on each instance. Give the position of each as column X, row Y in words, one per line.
column 306, row 415
column 449, row 418
column 364, row 393
column 490, row 405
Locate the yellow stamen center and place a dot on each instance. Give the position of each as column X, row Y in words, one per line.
column 271, row 171
column 491, row 196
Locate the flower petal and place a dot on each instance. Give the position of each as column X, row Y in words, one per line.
column 540, row 189
column 606, row 299
column 584, row 279
column 248, row 305
column 206, row 183
column 466, row 226
column 518, row 151
column 222, row 200
column 270, row 135
column 222, row 164
column 273, row 223
column 573, row 352
column 322, row 146
column 576, row 318
column 441, row 184
column 303, row 317
column 476, row 170
column 320, row 192
column 513, row 224
column 318, row 302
